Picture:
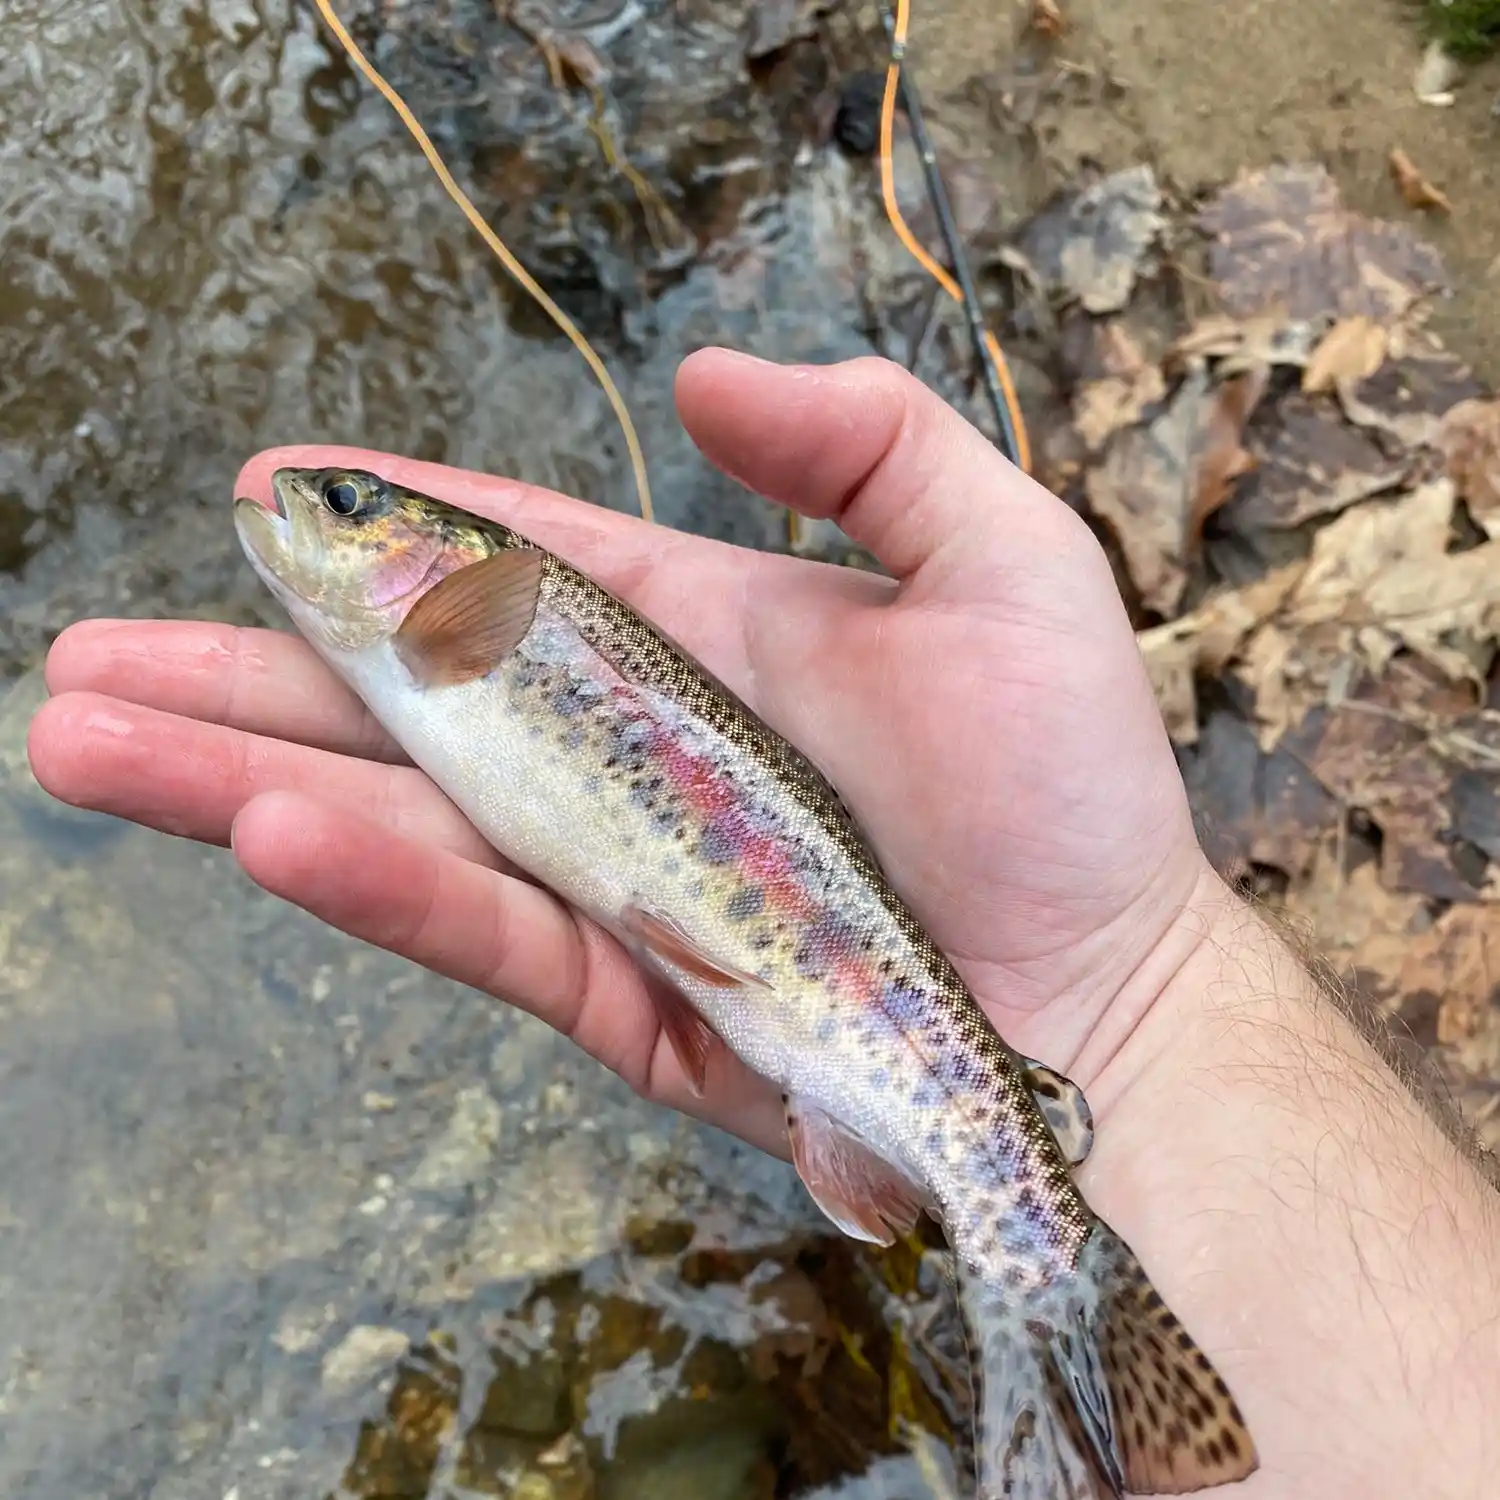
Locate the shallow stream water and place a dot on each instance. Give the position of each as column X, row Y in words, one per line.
column 280, row 1215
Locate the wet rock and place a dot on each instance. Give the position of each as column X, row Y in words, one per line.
column 609, row 188
column 396, row 1457
column 529, row 1396
column 462, row 1154
column 856, row 126
column 365, row 1352
column 730, row 1464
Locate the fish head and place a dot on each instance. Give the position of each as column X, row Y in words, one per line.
column 347, row 553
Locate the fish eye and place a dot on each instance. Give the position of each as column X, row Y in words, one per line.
column 342, row 497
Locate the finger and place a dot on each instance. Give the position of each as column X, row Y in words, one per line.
column 191, row 779
column 867, row 445
column 496, row 934
column 266, row 682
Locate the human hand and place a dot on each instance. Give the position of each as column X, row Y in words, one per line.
column 986, row 716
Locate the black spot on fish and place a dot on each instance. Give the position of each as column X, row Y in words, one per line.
column 810, row 960
column 748, row 901
column 929, row 1094
column 717, row 844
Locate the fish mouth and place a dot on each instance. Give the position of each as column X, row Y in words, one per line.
column 291, row 488
column 265, row 532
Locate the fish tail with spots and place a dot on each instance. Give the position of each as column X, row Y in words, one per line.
column 1089, row 1388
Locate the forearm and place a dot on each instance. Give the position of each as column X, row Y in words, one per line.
column 1307, row 1217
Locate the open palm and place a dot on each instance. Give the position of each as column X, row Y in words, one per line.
column 984, row 713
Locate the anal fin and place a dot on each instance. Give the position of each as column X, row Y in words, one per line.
column 1063, row 1107
column 866, row 1197
column 692, row 1038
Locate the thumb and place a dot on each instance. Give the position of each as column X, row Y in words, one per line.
column 867, row 445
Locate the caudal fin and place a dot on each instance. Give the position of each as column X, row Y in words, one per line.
column 1096, row 1391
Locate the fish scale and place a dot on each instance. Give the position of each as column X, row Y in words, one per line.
column 598, row 755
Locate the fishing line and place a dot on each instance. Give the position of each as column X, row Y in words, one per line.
column 987, row 352
column 990, row 357
column 502, row 253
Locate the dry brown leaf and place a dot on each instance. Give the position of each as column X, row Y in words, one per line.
column 1205, row 642
column 1415, row 188
column 1439, row 978
column 1469, row 438
column 1222, row 458
column 1408, row 396
column 1245, row 344
column 1474, row 796
column 1452, row 969
column 1309, row 463
column 1047, row 18
column 1353, row 349
column 1253, row 808
column 1172, row 664
column 1383, row 750
column 1131, row 383
column 1159, row 483
column 1283, row 242
column 1385, row 567
column 1102, row 407
column 1091, row 243
column 1344, row 908
column 1380, row 577
column 1273, row 665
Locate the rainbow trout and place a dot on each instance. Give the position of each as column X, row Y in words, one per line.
column 599, row 756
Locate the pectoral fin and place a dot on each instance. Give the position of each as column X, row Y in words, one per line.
column 866, row 1197
column 466, row 624
column 1064, row 1108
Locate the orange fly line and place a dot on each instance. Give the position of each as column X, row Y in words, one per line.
column 907, row 238
column 502, row 253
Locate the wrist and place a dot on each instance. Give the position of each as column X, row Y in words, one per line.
column 1333, row 1250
